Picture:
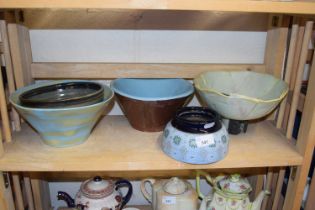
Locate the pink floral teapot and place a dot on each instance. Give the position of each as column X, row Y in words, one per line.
column 229, row 192
column 99, row 194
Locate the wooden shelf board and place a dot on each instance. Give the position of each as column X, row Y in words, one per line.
column 143, row 19
column 132, row 70
column 268, row 6
column 115, row 146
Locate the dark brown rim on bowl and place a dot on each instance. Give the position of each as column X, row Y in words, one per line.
column 94, row 97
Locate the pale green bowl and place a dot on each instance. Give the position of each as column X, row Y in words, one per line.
column 62, row 127
column 240, row 95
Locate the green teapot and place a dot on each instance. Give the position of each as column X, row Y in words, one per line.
column 229, row 192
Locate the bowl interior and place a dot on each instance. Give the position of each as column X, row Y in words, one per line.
column 64, row 91
column 15, row 97
column 245, row 83
column 152, row 89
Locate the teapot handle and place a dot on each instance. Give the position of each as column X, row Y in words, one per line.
column 123, row 183
column 207, row 176
column 144, row 191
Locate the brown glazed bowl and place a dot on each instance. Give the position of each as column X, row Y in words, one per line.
column 150, row 103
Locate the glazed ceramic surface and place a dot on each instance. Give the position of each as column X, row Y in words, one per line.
column 229, row 193
column 195, row 140
column 240, row 95
column 150, row 103
column 172, row 194
column 62, row 127
column 99, row 194
column 63, row 94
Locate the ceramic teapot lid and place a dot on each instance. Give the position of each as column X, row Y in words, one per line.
column 97, row 188
column 235, row 184
column 175, row 186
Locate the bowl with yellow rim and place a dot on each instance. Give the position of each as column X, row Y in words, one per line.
column 62, row 126
column 240, row 95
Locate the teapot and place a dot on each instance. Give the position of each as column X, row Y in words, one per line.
column 172, row 194
column 229, row 192
column 98, row 194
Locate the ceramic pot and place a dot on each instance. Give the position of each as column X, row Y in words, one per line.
column 99, row 194
column 229, row 193
column 150, row 103
column 196, row 135
column 62, row 127
column 172, row 194
column 240, row 95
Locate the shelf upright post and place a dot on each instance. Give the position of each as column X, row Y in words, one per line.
column 305, row 145
column 21, row 49
column 6, row 197
column 9, row 69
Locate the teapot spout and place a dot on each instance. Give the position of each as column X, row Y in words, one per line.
column 258, row 201
column 67, row 198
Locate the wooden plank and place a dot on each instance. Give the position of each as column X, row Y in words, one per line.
column 259, row 185
column 310, row 201
column 276, row 49
column 298, row 82
column 300, row 7
column 17, row 192
column 36, row 186
column 1, row 144
column 29, row 193
column 297, row 56
column 9, row 70
column 137, row 70
column 4, row 113
column 20, row 48
column 1, row 48
column 301, row 102
column 267, row 187
column 305, row 145
column 280, row 179
column 293, row 74
column 45, row 195
column 80, row 176
column 142, row 19
column 283, row 105
column 25, row 45
column 6, row 197
column 288, row 71
column 266, row 146
column 41, row 194
column 281, row 202
column 273, row 189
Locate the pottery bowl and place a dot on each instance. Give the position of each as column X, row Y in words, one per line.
column 62, row 127
column 241, row 95
column 196, row 136
column 150, row 103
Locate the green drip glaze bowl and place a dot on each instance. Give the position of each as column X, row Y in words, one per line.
column 240, row 95
column 62, row 127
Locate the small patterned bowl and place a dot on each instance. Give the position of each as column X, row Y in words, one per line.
column 195, row 136
column 62, row 127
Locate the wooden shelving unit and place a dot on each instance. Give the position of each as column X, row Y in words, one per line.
column 114, row 146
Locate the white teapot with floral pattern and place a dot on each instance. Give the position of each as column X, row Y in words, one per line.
column 229, row 192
